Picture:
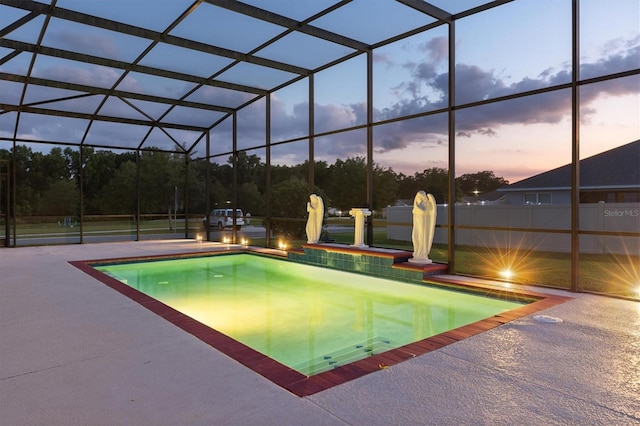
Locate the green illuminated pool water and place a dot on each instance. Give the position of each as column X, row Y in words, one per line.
column 309, row 318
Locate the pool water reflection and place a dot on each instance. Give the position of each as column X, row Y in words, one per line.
column 309, row 318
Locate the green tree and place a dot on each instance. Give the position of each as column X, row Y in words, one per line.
column 160, row 174
column 220, row 193
column 99, row 168
column 72, row 162
column 119, row 194
column 250, row 199
column 54, row 167
column 281, row 173
column 479, row 183
column 196, row 182
column 385, row 187
column 434, row 181
column 28, row 180
column 221, row 177
column 347, row 183
column 61, row 199
column 321, row 174
column 289, row 200
column 249, row 168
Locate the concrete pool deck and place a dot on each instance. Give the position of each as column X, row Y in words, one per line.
column 74, row 351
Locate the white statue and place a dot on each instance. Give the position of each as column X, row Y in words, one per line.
column 315, row 207
column 424, row 225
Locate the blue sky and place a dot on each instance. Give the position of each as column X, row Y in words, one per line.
column 519, row 46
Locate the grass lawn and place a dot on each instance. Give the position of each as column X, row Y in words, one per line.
column 104, row 226
column 615, row 275
column 612, row 274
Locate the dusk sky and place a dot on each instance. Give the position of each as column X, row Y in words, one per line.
column 519, row 46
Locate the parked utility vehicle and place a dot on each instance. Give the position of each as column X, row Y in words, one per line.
column 223, row 218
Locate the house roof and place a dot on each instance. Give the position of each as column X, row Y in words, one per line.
column 616, row 168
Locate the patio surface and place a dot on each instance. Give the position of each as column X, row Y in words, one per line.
column 74, row 351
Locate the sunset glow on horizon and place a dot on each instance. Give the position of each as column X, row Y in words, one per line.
column 495, row 57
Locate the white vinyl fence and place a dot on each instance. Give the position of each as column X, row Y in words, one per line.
column 553, row 220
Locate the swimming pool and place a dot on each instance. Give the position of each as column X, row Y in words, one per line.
column 324, row 326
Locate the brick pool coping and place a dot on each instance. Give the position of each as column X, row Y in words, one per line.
column 294, row 381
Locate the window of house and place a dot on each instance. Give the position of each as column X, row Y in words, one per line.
column 537, row 198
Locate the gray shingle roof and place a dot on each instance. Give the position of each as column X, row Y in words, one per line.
column 616, row 168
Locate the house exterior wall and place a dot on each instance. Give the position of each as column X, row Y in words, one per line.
column 516, row 198
column 525, row 220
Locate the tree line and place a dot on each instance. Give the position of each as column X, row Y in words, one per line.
column 49, row 184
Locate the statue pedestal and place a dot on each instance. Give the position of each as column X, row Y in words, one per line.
column 359, row 215
column 420, row 261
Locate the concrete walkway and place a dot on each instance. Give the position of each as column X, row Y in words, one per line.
column 75, row 352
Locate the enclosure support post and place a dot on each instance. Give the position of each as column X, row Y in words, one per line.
column 5, row 192
column 234, row 185
column 267, row 222
column 137, row 194
column 451, row 199
column 575, row 146
column 186, row 196
column 81, row 177
column 207, row 187
column 370, row 199
column 12, row 213
column 311, row 177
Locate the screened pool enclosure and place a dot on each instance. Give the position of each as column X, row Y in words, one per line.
column 133, row 120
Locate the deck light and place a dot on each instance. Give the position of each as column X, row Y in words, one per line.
column 244, row 242
column 226, row 240
column 282, row 245
column 506, row 274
